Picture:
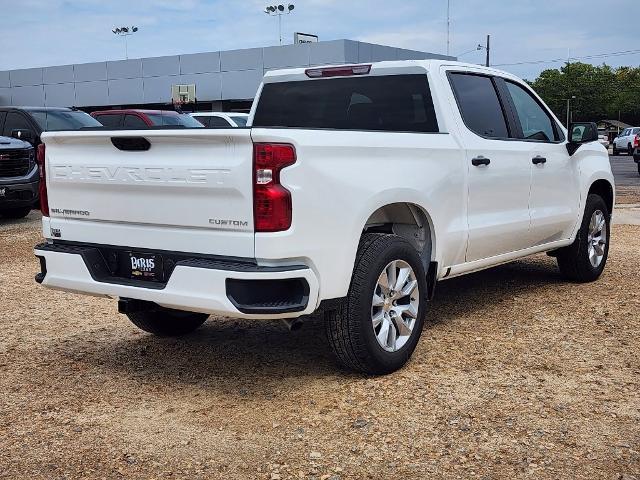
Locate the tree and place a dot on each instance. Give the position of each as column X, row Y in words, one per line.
column 601, row 92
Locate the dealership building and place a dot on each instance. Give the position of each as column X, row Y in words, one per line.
column 224, row 80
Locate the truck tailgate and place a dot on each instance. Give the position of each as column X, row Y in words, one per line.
column 190, row 191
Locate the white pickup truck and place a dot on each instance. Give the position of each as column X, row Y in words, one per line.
column 354, row 190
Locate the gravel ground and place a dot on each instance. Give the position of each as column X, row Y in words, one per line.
column 518, row 375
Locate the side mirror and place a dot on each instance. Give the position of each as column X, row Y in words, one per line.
column 23, row 134
column 579, row 133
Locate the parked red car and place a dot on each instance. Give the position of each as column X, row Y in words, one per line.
column 134, row 118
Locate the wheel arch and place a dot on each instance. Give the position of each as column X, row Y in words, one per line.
column 408, row 220
column 604, row 189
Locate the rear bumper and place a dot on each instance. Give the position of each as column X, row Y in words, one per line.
column 213, row 286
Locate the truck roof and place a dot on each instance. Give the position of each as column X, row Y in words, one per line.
column 393, row 67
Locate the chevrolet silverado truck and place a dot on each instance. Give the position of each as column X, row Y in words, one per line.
column 354, row 190
column 18, row 178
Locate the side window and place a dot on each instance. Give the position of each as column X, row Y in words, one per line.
column 109, row 120
column 203, row 120
column 218, row 122
column 133, row 121
column 479, row 105
column 14, row 121
column 625, row 132
column 636, row 131
column 536, row 124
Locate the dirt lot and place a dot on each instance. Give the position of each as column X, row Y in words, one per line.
column 518, row 375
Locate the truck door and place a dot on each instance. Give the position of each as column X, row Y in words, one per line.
column 555, row 186
column 499, row 170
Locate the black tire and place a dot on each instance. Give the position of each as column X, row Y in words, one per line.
column 20, row 212
column 629, row 150
column 615, row 151
column 573, row 260
column 349, row 327
column 638, row 167
column 164, row 322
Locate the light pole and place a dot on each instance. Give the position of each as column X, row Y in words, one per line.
column 569, row 108
column 125, row 32
column 279, row 10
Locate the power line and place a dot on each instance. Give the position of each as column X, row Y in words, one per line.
column 586, row 57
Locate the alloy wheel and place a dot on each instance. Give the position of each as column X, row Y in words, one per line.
column 395, row 305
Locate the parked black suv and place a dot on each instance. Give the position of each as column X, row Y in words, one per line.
column 19, row 177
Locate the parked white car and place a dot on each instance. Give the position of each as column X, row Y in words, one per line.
column 627, row 141
column 354, row 192
column 221, row 119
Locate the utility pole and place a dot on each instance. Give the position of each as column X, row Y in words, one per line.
column 448, row 26
column 488, row 49
column 569, row 109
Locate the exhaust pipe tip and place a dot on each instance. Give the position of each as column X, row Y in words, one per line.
column 293, row 324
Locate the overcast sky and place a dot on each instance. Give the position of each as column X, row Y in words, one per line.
column 55, row 32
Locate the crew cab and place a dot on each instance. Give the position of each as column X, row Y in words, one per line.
column 356, row 189
column 18, row 178
column 137, row 118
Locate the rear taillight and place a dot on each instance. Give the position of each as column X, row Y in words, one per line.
column 271, row 201
column 44, row 200
column 636, row 141
column 345, row 71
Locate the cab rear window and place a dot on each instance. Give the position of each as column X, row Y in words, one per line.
column 394, row 103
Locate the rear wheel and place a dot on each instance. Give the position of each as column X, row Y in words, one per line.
column 629, row 150
column 585, row 259
column 376, row 328
column 15, row 212
column 638, row 167
column 165, row 322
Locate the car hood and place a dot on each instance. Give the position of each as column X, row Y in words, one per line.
column 9, row 142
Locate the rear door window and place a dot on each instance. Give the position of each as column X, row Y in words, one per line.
column 110, row 120
column 479, row 105
column 392, row 103
column 134, row 121
column 218, row 122
column 202, row 119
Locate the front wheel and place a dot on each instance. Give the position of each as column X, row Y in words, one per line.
column 165, row 322
column 585, row 259
column 20, row 212
column 615, row 150
column 376, row 328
